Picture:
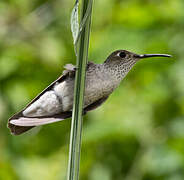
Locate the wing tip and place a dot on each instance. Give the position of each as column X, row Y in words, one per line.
column 15, row 129
column 18, row 130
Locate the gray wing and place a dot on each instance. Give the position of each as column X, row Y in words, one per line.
column 19, row 124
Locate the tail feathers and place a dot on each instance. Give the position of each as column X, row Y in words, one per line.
column 19, row 124
column 24, row 121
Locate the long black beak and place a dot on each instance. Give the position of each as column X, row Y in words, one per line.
column 152, row 55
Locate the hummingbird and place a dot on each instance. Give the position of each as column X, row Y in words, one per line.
column 55, row 103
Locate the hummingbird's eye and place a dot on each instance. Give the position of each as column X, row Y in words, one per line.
column 122, row 54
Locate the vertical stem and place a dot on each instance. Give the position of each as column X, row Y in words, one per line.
column 76, row 126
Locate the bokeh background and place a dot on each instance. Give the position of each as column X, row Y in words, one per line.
column 138, row 134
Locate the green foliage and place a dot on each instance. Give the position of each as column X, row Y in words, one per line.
column 138, row 132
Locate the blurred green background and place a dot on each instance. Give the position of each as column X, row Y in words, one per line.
column 138, row 134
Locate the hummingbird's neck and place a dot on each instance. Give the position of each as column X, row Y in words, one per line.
column 118, row 69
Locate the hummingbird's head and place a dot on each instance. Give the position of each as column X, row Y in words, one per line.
column 126, row 57
column 120, row 62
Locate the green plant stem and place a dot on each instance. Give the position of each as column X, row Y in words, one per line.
column 76, row 127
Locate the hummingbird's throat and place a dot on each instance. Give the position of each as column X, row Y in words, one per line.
column 119, row 71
